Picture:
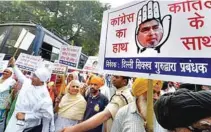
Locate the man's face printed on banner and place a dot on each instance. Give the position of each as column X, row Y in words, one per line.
column 150, row 33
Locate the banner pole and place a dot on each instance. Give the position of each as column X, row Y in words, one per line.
column 150, row 106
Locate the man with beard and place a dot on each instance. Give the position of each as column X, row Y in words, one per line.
column 132, row 117
column 96, row 102
column 121, row 98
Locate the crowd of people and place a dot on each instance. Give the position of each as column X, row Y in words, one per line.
column 42, row 102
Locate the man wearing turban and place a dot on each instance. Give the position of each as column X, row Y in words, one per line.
column 132, row 117
column 34, row 108
column 96, row 101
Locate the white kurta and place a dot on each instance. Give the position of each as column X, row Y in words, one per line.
column 35, row 102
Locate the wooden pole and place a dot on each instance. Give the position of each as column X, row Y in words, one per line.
column 72, row 42
column 150, row 106
column 20, row 44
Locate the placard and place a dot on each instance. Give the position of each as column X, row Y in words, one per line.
column 28, row 62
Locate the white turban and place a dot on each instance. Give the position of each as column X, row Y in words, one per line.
column 43, row 74
column 10, row 69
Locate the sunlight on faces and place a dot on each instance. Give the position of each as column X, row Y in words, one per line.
column 150, row 33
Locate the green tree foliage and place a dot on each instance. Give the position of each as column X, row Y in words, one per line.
column 74, row 20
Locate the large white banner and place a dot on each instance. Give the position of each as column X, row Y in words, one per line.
column 28, row 62
column 70, row 55
column 167, row 40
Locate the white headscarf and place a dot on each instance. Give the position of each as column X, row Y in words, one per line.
column 10, row 69
column 75, row 75
column 43, row 74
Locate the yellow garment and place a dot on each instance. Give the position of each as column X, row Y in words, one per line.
column 89, row 79
column 61, row 89
column 140, row 86
column 97, row 80
column 72, row 107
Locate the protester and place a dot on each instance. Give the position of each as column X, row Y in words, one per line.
column 71, row 108
column 187, row 107
column 60, row 90
column 34, row 108
column 6, row 83
column 96, row 101
column 168, row 87
column 14, row 96
column 121, row 98
column 132, row 117
column 205, row 87
column 108, row 80
column 60, row 85
column 105, row 90
column 51, row 90
column 71, row 76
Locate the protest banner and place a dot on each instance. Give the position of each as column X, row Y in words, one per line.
column 69, row 55
column 166, row 40
column 28, row 62
column 3, row 65
column 58, row 68
column 82, row 61
column 91, row 64
column 2, row 56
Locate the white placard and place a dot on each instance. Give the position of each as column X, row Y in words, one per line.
column 26, row 37
column 70, row 55
column 28, row 62
column 59, row 68
column 91, row 64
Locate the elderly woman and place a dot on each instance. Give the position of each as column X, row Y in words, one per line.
column 71, row 76
column 71, row 108
column 6, row 84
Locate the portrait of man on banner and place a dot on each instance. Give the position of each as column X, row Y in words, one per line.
column 94, row 64
column 151, row 30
